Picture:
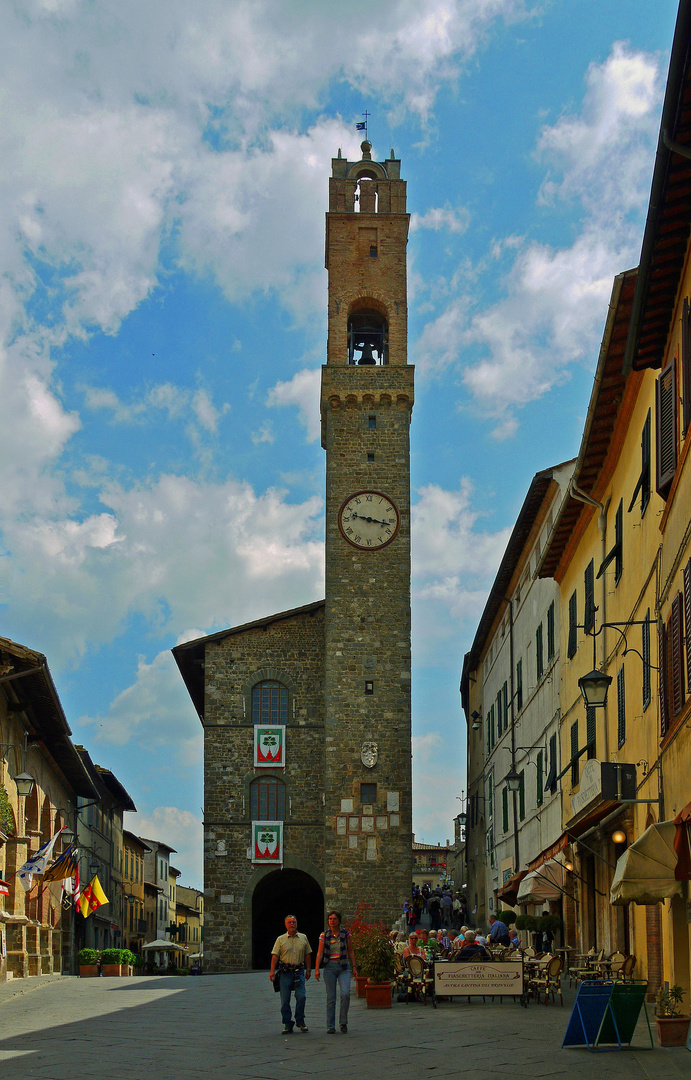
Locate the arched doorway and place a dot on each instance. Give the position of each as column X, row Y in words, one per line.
column 281, row 893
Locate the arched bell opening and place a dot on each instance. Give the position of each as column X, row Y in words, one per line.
column 366, row 196
column 367, row 339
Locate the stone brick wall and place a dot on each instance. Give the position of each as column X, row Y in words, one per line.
column 289, row 650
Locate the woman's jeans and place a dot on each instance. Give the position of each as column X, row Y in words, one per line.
column 335, row 975
column 287, row 980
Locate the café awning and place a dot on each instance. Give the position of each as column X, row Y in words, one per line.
column 508, row 891
column 542, row 884
column 645, row 872
column 163, row 946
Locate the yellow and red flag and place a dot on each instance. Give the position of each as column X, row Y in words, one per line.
column 92, row 897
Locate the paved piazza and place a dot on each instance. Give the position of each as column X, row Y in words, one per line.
column 229, row 1026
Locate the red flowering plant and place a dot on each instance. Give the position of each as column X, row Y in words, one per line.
column 374, row 955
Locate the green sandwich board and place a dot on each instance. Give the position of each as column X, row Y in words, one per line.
column 605, row 1015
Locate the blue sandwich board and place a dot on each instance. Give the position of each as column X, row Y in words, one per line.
column 605, row 1015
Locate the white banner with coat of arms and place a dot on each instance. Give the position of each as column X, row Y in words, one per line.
column 269, row 747
column 267, row 841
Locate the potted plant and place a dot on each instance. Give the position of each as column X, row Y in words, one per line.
column 374, row 959
column 507, row 917
column 111, row 962
column 128, row 959
column 672, row 1027
column 360, row 931
column 88, row 963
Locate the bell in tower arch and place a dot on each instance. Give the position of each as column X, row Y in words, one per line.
column 367, row 339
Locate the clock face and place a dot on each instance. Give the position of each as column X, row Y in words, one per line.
column 369, row 520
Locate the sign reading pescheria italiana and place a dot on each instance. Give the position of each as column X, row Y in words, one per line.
column 485, row 978
column 269, row 747
column 267, row 841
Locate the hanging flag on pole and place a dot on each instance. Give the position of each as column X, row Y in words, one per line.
column 37, row 863
column 92, row 897
column 63, row 867
column 70, row 888
column 361, row 127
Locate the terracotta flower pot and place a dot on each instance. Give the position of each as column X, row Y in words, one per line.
column 378, row 995
column 88, row 971
column 111, row 969
column 672, row 1030
column 360, row 983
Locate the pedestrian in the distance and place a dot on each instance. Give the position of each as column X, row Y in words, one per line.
column 335, row 957
column 292, row 956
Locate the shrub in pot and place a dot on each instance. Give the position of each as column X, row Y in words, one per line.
column 507, row 916
column 111, row 962
column 88, row 963
column 672, row 1027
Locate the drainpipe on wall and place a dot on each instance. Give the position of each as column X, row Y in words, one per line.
column 517, row 864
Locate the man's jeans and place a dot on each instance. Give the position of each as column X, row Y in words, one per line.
column 287, row 978
column 334, row 974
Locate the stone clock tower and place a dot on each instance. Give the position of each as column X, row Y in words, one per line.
column 306, row 713
column 366, row 405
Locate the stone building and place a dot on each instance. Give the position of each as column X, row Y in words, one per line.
column 306, row 713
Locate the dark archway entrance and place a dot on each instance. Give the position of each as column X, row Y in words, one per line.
column 281, row 893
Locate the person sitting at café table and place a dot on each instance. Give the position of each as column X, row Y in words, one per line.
column 514, row 939
column 471, row 949
column 498, row 932
column 413, row 948
column 444, row 939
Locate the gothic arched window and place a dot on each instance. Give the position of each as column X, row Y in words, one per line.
column 267, row 799
column 269, row 703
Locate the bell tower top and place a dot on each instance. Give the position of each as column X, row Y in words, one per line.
column 366, row 239
column 346, row 189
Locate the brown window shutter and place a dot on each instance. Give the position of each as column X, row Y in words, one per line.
column 666, row 428
column 687, row 618
column 677, row 659
column 664, row 680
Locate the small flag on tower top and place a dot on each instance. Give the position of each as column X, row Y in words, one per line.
column 362, row 126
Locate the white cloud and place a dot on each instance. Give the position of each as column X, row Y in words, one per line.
column 442, row 218
column 181, row 830
column 445, row 540
column 301, row 391
column 176, row 551
column 555, row 298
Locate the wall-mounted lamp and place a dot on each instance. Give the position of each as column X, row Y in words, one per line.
column 25, row 784
column 476, row 717
column 619, row 837
column 512, row 778
column 568, row 866
column 594, row 687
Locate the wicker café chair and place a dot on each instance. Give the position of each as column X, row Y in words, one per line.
column 417, row 981
column 626, row 970
column 548, row 981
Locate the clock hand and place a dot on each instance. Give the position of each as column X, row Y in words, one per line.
column 375, row 521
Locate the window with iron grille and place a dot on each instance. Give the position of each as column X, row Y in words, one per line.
column 589, row 603
column 539, row 657
column 267, row 799
column 590, row 730
column 575, row 766
column 573, row 625
column 621, row 707
column 550, row 632
column 645, row 652
column 368, row 793
column 269, row 703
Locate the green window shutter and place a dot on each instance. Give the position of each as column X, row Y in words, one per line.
column 505, row 704
column 550, row 632
column 621, row 707
column 499, row 721
column 645, row 650
column 519, row 685
column 539, row 658
column 505, row 809
column 539, row 778
column 573, row 625
column 521, row 796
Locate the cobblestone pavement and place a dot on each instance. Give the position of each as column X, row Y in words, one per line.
column 229, row 1026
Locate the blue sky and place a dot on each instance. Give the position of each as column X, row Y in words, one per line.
column 164, row 171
